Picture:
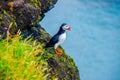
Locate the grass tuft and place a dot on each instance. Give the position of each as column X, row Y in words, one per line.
column 18, row 59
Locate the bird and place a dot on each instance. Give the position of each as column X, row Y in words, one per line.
column 58, row 38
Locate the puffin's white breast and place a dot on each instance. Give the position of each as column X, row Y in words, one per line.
column 61, row 39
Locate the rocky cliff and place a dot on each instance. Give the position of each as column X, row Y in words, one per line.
column 23, row 16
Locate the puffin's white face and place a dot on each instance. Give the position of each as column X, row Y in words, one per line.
column 66, row 27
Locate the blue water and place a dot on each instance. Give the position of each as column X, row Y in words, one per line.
column 94, row 39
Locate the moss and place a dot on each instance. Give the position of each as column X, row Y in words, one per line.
column 0, row 16
column 11, row 4
column 4, row 12
column 14, row 20
column 36, row 20
column 36, row 3
column 15, row 24
column 72, row 64
column 42, row 31
column 62, row 59
column 0, row 19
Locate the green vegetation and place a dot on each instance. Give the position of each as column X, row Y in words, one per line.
column 36, row 3
column 18, row 60
column 26, row 59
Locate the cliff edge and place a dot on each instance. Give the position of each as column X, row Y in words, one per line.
column 21, row 35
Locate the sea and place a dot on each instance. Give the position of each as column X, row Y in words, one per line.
column 94, row 39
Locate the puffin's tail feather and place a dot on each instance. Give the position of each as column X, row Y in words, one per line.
column 47, row 46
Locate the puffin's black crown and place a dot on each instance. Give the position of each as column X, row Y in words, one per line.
column 63, row 24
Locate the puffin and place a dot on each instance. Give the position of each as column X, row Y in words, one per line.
column 58, row 38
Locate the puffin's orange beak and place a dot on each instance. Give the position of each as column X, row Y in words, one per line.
column 68, row 28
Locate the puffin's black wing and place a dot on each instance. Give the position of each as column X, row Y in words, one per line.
column 52, row 41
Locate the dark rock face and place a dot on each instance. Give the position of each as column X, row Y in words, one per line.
column 29, row 14
column 62, row 67
column 52, row 62
column 24, row 15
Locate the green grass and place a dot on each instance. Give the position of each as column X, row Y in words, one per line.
column 18, row 59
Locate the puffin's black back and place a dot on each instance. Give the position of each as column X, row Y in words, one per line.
column 55, row 38
column 52, row 41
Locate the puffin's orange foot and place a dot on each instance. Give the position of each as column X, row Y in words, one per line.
column 58, row 51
